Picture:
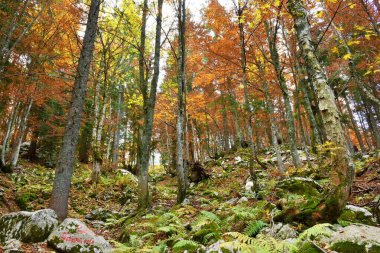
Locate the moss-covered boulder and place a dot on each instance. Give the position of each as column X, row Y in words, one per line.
column 298, row 200
column 356, row 238
column 355, row 214
column 73, row 236
column 28, row 226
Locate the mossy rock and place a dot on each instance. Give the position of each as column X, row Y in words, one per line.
column 356, row 238
column 355, row 214
column 28, row 226
column 299, row 185
column 73, row 236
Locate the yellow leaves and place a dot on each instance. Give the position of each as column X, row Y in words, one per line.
column 353, row 42
column 277, row 3
column 335, row 50
column 347, row 57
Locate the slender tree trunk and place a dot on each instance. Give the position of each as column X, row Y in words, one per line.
column 248, row 107
column 66, row 159
column 272, row 40
column 97, row 148
column 32, row 152
column 149, row 105
column 10, row 125
column 181, row 195
column 342, row 173
column 353, row 124
column 315, row 137
column 20, row 136
column 116, row 142
column 273, row 127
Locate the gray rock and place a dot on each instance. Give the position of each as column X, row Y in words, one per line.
column 186, row 202
column 28, row 226
column 356, row 238
column 356, row 214
column 12, row 246
column 280, row 231
column 248, row 186
column 243, row 199
column 221, row 247
column 73, row 236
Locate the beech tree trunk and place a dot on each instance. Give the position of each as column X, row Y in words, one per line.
column 66, row 159
column 273, row 127
column 116, row 142
column 149, row 105
column 20, row 135
column 10, row 125
column 248, row 107
column 272, row 40
column 181, row 176
column 342, row 171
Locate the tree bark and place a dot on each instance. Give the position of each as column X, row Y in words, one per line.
column 181, row 195
column 66, row 159
column 149, row 105
column 342, row 173
column 10, row 125
column 20, row 136
column 116, row 143
column 248, row 107
column 272, row 40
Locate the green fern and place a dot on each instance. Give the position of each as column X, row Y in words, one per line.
column 210, row 216
column 242, row 238
column 323, row 229
column 254, row 228
column 207, row 228
column 183, row 245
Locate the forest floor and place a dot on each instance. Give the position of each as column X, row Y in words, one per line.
column 215, row 206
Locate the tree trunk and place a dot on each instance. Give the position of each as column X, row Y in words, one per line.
column 20, row 136
column 66, row 159
column 149, row 105
column 273, row 127
column 342, row 172
column 353, row 124
column 248, row 107
column 181, row 195
column 116, row 142
column 10, row 125
column 272, row 40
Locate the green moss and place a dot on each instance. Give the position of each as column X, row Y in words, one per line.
column 308, row 247
column 348, row 247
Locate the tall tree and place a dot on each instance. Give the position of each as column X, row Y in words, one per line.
column 64, row 169
column 342, row 172
column 149, row 97
column 181, row 105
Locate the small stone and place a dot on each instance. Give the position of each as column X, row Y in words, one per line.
column 12, row 246
column 243, row 199
column 186, row 202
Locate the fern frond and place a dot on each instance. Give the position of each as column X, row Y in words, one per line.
column 210, row 216
column 185, row 245
column 254, row 228
column 240, row 237
column 323, row 229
